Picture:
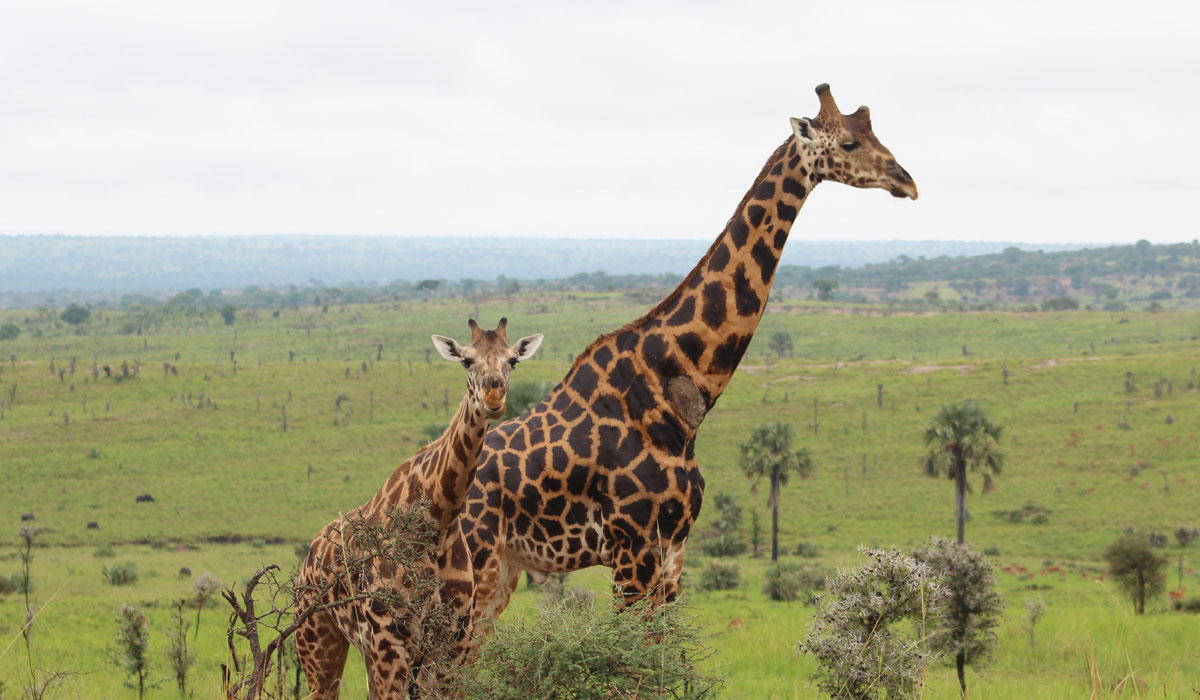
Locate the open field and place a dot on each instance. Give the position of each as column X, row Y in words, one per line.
column 202, row 431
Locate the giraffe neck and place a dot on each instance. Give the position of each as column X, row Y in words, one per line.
column 447, row 476
column 714, row 312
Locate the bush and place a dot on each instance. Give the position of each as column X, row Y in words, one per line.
column 9, row 331
column 104, row 551
column 120, row 574
column 1031, row 512
column 1060, row 304
column 720, row 577
column 857, row 634
column 808, row 550
column 971, row 610
column 790, row 582
column 7, row 586
column 572, row 652
column 128, row 328
column 1189, row 605
column 1137, row 568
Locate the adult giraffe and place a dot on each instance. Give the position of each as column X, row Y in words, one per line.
column 440, row 473
column 603, row 470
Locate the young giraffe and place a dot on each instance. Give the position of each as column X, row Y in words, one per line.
column 441, row 473
column 603, row 470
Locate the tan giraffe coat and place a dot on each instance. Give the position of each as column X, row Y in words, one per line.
column 440, row 473
column 603, row 470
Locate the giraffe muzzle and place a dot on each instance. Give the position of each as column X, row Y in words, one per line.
column 902, row 183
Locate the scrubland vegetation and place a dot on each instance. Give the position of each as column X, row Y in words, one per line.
column 154, row 449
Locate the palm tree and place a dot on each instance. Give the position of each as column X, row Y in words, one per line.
column 962, row 435
column 768, row 453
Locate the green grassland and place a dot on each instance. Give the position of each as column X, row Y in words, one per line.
column 202, row 432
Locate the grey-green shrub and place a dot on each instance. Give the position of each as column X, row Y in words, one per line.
column 858, row 634
column 574, row 652
column 720, row 577
column 791, row 582
column 124, row 574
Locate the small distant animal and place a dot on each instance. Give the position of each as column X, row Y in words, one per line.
column 93, row 525
column 734, row 624
column 185, row 572
column 25, row 517
column 145, row 498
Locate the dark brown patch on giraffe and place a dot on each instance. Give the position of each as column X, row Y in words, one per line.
column 754, row 214
column 743, row 293
column 765, row 190
column 765, row 258
column 716, row 263
column 793, row 162
column 714, row 304
column 738, row 232
column 691, row 345
column 727, row 355
column 794, row 188
column 785, row 212
column 781, row 237
column 686, row 311
column 602, row 357
column 654, row 348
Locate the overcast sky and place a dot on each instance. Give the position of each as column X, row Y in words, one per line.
column 1027, row 121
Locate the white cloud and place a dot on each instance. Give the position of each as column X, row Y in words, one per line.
column 1038, row 121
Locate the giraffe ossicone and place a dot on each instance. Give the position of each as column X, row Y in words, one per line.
column 440, row 474
column 603, row 470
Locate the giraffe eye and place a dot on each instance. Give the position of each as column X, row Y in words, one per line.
column 467, row 362
column 512, row 362
column 847, row 147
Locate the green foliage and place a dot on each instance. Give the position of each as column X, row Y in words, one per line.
column 76, row 314
column 229, row 314
column 570, row 652
column 723, row 537
column 808, row 550
column 958, row 437
column 825, row 288
column 787, row 582
column 971, row 610
column 9, row 331
column 1030, row 512
column 781, row 343
column 858, row 634
column 104, row 551
column 7, row 585
column 523, row 396
column 768, row 453
column 132, row 646
column 1135, row 565
column 720, row 577
column 179, row 658
column 124, row 574
column 1060, row 304
column 1035, row 610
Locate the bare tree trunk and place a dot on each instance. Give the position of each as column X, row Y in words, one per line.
column 774, row 518
column 960, row 495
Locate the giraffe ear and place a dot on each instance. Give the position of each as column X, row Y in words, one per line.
column 448, row 348
column 802, row 127
column 528, row 345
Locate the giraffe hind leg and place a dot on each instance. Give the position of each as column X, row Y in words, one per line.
column 322, row 649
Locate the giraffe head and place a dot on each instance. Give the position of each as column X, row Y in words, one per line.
column 489, row 360
column 843, row 148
